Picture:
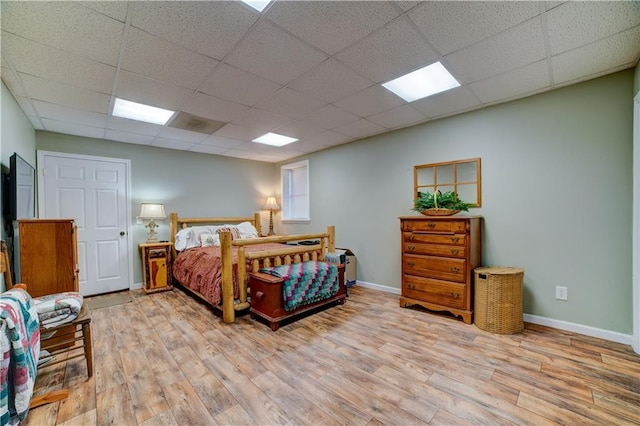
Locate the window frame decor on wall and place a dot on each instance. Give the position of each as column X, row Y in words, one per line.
column 294, row 181
column 457, row 176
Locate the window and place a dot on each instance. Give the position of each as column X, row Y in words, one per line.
column 461, row 177
column 295, row 191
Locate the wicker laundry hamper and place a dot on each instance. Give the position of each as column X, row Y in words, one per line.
column 498, row 299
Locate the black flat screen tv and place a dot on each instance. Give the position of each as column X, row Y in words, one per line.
column 22, row 189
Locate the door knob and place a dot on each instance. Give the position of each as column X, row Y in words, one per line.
column 122, row 233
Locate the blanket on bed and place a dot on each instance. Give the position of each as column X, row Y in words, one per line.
column 20, row 349
column 306, row 282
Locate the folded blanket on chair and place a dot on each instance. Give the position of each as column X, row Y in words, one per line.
column 306, row 282
column 20, row 349
column 57, row 309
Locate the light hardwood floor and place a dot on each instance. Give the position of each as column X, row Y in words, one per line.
column 166, row 359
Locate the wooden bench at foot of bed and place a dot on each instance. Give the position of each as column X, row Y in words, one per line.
column 267, row 301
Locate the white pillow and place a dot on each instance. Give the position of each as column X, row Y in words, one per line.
column 207, row 240
column 182, row 239
column 247, row 230
column 190, row 237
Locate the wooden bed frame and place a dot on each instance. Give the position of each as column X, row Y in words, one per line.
column 286, row 255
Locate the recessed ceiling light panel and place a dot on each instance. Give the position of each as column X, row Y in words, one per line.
column 421, row 83
column 141, row 112
column 258, row 5
column 274, row 139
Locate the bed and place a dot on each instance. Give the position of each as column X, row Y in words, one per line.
column 211, row 272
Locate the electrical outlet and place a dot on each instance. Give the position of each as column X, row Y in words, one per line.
column 562, row 293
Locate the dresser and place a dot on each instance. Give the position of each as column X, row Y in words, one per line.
column 48, row 255
column 439, row 254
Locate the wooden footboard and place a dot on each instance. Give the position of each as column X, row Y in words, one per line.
column 287, row 255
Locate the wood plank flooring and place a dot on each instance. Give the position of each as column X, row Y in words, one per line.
column 167, row 359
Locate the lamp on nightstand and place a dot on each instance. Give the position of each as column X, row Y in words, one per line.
column 271, row 205
column 152, row 211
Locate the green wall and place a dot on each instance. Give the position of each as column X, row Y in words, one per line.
column 189, row 183
column 556, row 189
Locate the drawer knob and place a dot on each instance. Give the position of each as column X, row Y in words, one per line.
column 455, row 239
column 259, row 295
column 431, row 225
column 454, row 251
column 412, row 237
column 410, row 264
column 455, row 295
column 411, row 248
column 454, row 270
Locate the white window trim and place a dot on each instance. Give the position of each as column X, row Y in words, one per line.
column 283, row 169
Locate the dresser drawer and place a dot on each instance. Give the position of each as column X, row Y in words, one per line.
column 435, row 267
column 434, row 250
column 434, row 291
column 420, row 237
column 452, row 226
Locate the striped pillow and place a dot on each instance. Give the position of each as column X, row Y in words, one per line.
column 235, row 232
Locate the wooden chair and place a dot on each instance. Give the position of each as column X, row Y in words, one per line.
column 57, row 340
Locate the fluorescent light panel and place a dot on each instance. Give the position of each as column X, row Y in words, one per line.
column 141, row 112
column 421, row 83
column 274, row 139
column 258, row 5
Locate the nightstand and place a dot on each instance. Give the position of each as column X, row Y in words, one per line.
column 156, row 266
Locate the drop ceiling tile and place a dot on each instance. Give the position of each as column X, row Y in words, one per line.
column 253, row 147
column 136, row 88
column 331, row 25
column 273, row 54
column 35, row 122
column 516, row 83
column 133, row 126
column 72, row 115
column 11, row 79
column 194, row 24
column 330, row 116
column 403, row 115
column 446, row 103
column 370, row 101
column 243, row 133
column 360, row 129
column 274, row 158
column 291, row 103
column 72, row 129
column 113, row 9
column 330, row 138
column 613, row 53
column 181, row 135
column 390, row 52
column 234, row 84
column 575, row 24
column 158, row 59
column 500, row 53
column 330, row 81
column 450, row 26
column 213, row 108
column 208, row 149
column 75, row 97
column 407, row 5
column 300, row 130
column 245, row 155
column 173, row 144
column 52, row 64
column 221, row 142
column 67, row 26
column 26, row 105
column 138, row 139
column 260, row 119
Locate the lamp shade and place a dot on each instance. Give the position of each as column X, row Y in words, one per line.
column 271, row 204
column 152, row 211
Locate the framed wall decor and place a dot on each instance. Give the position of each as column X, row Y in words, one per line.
column 460, row 176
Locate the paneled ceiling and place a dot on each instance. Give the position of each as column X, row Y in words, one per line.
column 307, row 69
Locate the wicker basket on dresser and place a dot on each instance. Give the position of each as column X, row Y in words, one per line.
column 439, row 254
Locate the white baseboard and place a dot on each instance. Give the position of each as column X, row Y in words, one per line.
column 612, row 336
column 136, row 286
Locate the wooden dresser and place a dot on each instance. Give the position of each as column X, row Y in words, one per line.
column 439, row 254
column 48, row 255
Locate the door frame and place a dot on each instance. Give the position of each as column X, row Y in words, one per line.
column 636, row 224
column 127, row 165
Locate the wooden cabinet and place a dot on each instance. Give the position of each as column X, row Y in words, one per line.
column 439, row 254
column 48, row 255
column 156, row 266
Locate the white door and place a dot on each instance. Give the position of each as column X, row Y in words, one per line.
column 95, row 192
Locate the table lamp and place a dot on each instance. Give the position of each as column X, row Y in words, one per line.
column 271, row 205
column 152, row 211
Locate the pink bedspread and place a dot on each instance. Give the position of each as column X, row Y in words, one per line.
column 200, row 269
